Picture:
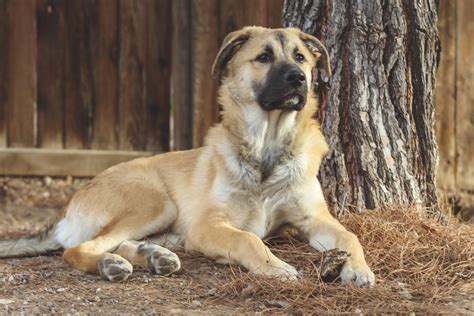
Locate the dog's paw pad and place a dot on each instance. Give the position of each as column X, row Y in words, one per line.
column 160, row 260
column 114, row 268
column 163, row 263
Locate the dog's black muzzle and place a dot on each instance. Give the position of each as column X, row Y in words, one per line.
column 285, row 88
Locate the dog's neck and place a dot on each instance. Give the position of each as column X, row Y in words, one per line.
column 266, row 132
column 257, row 140
column 264, row 138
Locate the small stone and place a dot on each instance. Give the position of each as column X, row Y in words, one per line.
column 175, row 311
column 248, row 291
column 48, row 181
column 212, row 291
column 98, row 290
column 405, row 294
column 5, row 301
column 196, row 303
column 47, row 274
column 60, row 290
column 46, row 194
column 69, row 180
column 277, row 303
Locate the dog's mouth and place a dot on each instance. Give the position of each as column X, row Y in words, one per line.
column 293, row 101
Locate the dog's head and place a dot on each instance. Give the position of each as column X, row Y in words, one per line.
column 272, row 67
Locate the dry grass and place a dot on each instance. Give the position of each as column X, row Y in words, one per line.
column 419, row 263
column 420, row 266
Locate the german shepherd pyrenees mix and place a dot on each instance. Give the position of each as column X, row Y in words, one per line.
column 256, row 173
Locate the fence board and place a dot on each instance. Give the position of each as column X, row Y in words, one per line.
column 78, row 74
column 3, row 71
column 158, row 74
column 230, row 17
column 105, row 51
column 21, row 104
column 274, row 13
column 205, row 46
column 465, row 95
column 51, row 40
column 132, row 81
column 60, row 162
column 445, row 97
column 254, row 12
column 182, row 74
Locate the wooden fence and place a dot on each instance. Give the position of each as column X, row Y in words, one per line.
column 455, row 96
column 88, row 83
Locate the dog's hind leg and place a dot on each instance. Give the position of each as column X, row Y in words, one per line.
column 93, row 256
column 97, row 255
column 150, row 256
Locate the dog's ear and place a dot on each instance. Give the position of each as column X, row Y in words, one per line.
column 232, row 42
column 320, row 52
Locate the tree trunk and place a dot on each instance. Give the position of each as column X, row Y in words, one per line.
column 378, row 112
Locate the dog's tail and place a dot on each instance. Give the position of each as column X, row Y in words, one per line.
column 40, row 243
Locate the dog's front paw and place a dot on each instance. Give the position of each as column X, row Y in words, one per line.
column 359, row 274
column 280, row 270
column 114, row 268
column 289, row 273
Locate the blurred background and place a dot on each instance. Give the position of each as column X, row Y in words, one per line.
column 85, row 84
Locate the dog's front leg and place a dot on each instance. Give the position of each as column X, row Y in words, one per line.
column 217, row 239
column 324, row 233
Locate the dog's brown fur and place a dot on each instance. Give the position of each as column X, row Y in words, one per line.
column 256, row 173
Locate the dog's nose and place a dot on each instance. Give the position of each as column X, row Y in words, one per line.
column 295, row 76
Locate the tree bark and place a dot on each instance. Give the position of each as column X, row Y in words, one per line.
column 378, row 111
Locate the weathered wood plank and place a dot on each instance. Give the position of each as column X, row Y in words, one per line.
column 182, row 75
column 132, row 124
column 237, row 14
column 465, row 95
column 60, row 162
column 254, row 13
column 51, row 41
column 158, row 75
column 445, row 96
column 104, row 55
column 205, row 47
column 78, row 74
column 22, row 79
column 3, row 70
column 274, row 13
column 230, row 17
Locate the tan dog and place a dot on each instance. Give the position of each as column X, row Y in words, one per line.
column 256, row 173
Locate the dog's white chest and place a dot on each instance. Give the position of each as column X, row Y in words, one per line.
column 259, row 221
column 265, row 215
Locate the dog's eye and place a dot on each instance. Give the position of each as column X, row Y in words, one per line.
column 299, row 57
column 264, row 58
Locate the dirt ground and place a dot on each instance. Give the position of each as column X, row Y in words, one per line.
column 47, row 284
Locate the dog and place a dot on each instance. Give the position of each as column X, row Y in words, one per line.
column 255, row 173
